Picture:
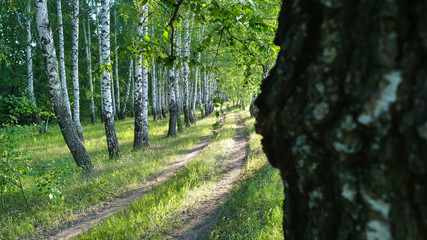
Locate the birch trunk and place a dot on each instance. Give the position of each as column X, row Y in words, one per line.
column 89, row 59
column 110, row 130
column 206, row 92
column 98, row 28
column 200, row 96
column 30, row 75
column 145, row 87
column 80, row 155
column 62, row 58
column 76, row 70
column 178, row 78
column 186, row 71
column 138, row 140
column 116, row 64
column 154, row 90
column 123, row 112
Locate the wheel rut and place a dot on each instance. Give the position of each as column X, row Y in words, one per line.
column 87, row 221
column 199, row 220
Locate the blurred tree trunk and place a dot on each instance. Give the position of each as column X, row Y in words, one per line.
column 343, row 116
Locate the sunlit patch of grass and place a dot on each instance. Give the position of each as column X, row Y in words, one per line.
column 158, row 212
column 109, row 178
column 254, row 211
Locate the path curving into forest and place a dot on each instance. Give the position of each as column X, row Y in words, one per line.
column 87, row 221
column 198, row 221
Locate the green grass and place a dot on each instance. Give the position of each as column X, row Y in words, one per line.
column 114, row 177
column 157, row 213
column 254, row 211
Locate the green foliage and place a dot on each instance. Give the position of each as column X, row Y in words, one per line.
column 16, row 167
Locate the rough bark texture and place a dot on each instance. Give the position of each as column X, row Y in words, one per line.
column 89, row 69
column 62, row 58
column 80, row 155
column 110, row 129
column 76, row 87
column 343, row 115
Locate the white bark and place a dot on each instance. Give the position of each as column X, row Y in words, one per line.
column 186, row 71
column 98, row 28
column 138, row 134
column 113, row 146
column 89, row 67
column 55, row 91
column 178, row 78
column 76, row 70
column 145, row 87
column 154, row 90
column 122, row 114
column 116, row 64
column 62, row 58
column 30, row 75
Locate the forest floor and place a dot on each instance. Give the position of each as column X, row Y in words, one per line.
column 86, row 221
column 191, row 186
column 199, row 220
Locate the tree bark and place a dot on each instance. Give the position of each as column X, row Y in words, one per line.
column 153, row 90
column 89, row 59
column 145, row 86
column 99, row 28
column 76, row 70
column 116, row 64
column 186, row 72
column 123, row 112
column 62, row 58
column 30, row 75
column 343, row 116
column 139, row 101
column 177, row 78
column 80, row 155
column 110, row 129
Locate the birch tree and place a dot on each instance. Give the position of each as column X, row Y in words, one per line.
column 80, row 155
column 138, row 140
column 145, row 86
column 110, row 130
column 89, row 59
column 76, row 70
column 62, row 58
column 178, row 76
column 186, row 71
column 116, row 63
column 128, row 88
column 30, row 74
column 153, row 90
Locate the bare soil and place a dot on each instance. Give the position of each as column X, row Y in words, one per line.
column 87, row 221
column 198, row 221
